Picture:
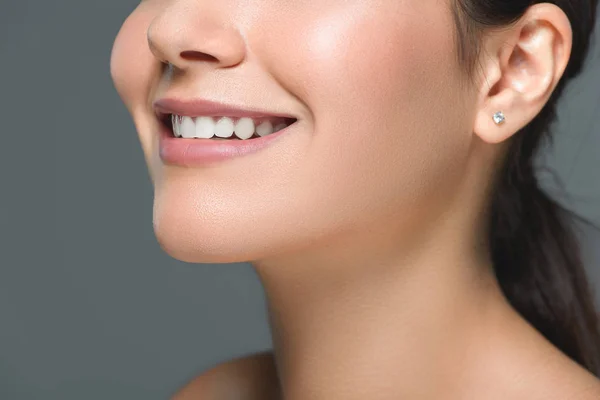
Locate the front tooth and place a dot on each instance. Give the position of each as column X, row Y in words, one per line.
column 244, row 128
column 205, row 127
column 224, row 127
column 264, row 129
column 188, row 128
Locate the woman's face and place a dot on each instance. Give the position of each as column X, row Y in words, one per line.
column 384, row 120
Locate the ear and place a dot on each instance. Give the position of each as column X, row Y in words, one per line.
column 522, row 66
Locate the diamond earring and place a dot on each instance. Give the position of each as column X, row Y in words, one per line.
column 499, row 117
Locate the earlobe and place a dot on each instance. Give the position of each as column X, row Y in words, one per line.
column 528, row 62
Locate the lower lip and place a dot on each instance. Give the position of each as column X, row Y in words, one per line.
column 199, row 152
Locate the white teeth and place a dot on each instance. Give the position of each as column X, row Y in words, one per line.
column 264, row 129
column 224, row 127
column 205, row 127
column 187, row 128
column 244, row 128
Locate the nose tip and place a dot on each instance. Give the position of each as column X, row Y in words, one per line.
column 183, row 39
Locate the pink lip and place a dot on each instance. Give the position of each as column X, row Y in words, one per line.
column 202, row 107
column 200, row 152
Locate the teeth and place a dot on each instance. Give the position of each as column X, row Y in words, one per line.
column 279, row 127
column 174, row 124
column 187, row 128
column 205, row 127
column 224, row 128
column 176, row 121
column 244, row 128
column 264, row 129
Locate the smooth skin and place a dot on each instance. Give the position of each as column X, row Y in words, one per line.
column 366, row 226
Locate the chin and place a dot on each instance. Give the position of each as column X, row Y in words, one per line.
column 199, row 251
column 212, row 235
column 198, row 254
column 198, row 243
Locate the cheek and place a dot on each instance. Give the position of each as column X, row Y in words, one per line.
column 135, row 71
column 132, row 65
column 378, row 84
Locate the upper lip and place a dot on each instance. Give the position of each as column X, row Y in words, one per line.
column 202, row 107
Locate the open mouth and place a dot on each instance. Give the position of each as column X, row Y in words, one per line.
column 223, row 128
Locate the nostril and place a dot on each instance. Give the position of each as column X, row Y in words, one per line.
column 197, row 56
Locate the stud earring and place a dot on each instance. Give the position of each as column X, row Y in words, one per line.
column 499, row 117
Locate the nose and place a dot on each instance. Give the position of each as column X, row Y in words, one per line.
column 186, row 33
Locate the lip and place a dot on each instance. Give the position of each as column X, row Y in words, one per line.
column 201, row 152
column 203, row 107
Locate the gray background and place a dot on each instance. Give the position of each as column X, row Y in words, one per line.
column 90, row 306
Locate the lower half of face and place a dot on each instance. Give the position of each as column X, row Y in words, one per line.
column 383, row 129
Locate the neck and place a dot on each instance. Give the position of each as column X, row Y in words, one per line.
column 379, row 320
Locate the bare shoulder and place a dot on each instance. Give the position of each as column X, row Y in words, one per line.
column 252, row 377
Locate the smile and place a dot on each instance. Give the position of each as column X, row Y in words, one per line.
column 201, row 132
column 207, row 127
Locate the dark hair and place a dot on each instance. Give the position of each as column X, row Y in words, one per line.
column 534, row 248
